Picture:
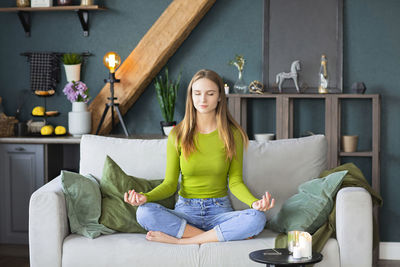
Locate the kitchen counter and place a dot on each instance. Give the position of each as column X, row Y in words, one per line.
column 40, row 140
column 66, row 139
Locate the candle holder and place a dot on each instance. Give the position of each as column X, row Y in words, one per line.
column 300, row 244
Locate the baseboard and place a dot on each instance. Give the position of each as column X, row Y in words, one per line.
column 389, row 250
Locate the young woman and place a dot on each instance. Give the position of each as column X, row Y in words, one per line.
column 207, row 149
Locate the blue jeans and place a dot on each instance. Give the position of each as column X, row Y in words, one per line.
column 205, row 214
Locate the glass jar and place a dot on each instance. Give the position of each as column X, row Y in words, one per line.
column 23, row 3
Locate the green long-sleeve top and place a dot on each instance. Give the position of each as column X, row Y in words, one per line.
column 206, row 171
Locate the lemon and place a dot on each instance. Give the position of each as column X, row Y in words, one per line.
column 60, row 130
column 46, row 130
column 38, row 111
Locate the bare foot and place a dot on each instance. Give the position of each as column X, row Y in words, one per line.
column 158, row 236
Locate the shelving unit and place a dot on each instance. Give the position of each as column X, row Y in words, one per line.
column 237, row 104
column 25, row 16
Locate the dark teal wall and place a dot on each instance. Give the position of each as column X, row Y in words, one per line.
column 371, row 54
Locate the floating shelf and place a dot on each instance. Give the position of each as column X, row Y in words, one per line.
column 25, row 16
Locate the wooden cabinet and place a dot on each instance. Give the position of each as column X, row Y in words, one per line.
column 237, row 104
column 21, row 173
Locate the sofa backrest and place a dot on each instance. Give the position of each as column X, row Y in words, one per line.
column 276, row 166
column 138, row 157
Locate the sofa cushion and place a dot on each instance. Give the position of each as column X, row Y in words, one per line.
column 280, row 166
column 235, row 253
column 83, row 200
column 310, row 208
column 137, row 157
column 116, row 214
column 123, row 249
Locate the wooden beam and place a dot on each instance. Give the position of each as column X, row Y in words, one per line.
column 149, row 56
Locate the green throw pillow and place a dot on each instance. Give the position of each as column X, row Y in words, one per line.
column 310, row 208
column 116, row 214
column 83, row 199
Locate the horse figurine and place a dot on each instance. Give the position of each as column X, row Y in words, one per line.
column 280, row 77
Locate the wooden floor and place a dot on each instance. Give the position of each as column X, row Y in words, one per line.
column 18, row 256
column 14, row 255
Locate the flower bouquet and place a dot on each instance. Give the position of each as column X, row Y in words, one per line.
column 79, row 119
column 76, row 92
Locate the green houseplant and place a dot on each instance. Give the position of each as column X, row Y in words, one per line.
column 166, row 91
column 72, row 64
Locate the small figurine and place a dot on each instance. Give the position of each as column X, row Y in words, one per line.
column 358, row 88
column 323, row 76
column 256, row 87
column 280, row 77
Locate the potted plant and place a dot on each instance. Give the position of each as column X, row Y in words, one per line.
column 72, row 64
column 166, row 91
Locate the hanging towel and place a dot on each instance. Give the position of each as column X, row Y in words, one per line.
column 45, row 71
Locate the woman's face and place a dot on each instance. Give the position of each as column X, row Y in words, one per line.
column 205, row 95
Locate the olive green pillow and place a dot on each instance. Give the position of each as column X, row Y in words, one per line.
column 310, row 208
column 83, row 199
column 116, row 214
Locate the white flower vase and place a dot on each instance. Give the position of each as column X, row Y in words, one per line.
column 73, row 72
column 79, row 119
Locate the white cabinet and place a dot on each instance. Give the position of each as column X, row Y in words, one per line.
column 21, row 173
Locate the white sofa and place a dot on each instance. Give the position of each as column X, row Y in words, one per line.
column 277, row 166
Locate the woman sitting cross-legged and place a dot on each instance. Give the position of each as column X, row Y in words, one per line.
column 207, row 149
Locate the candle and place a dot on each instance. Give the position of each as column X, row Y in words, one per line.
column 297, row 252
column 226, row 87
column 305, row 243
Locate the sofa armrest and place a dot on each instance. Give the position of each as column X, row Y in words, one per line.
column 48, row 225
column 354, row 227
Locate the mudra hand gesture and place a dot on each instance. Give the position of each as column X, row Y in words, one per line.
column 265, row 203
column 135, row 199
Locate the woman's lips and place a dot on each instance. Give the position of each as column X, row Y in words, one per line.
column 203, row 106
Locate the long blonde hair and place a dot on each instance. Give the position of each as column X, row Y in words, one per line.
column 185, row 130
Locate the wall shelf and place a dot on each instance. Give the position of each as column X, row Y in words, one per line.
column 356, row 154
column 25, row 16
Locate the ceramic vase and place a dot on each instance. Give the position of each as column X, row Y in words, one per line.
column 73, row 72
column 79, row 119
column 349, row 143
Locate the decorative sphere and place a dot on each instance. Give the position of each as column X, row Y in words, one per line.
column 256, row 87
column 111, row 60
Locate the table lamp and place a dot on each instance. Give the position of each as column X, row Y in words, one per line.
column 112, row 61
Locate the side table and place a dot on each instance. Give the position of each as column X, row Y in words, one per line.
column 281, row 257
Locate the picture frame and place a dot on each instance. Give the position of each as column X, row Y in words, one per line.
column 303, row 30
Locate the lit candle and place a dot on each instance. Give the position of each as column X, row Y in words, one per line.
column 305, row 243
column 226, row 87
column 297, row 252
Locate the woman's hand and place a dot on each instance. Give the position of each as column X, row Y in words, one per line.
column 265, row 203
column 135, row 199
